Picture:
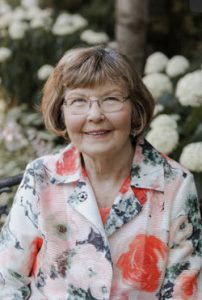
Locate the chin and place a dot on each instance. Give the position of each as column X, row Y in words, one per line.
column 97, row 151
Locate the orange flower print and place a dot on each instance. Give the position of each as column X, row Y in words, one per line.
column 104, row 213
column 36, row 246
column 186, row 285
column 140, row 265
column 125, row 186
column 69, row 163
column 141, row 194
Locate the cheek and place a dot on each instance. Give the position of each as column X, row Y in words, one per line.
column 124, row 122
column 73, row 124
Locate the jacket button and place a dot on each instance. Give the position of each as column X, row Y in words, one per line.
column 61, row 228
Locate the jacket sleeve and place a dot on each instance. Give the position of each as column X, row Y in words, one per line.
column 183, row 277
column 18, row 241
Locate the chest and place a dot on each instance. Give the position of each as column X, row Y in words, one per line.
column 76, row 244
column 106, row 193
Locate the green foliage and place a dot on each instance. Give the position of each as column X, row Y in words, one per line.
column 174, row 28
column 71, row 5
column 19, row 73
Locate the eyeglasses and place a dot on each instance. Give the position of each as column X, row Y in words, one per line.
column 109, row 104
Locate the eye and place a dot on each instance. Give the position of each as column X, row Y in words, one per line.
column 111, row 99
column 77, row 101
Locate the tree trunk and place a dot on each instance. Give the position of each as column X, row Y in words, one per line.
column 131, row 25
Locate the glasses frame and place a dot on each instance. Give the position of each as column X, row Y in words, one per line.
column 99, row 102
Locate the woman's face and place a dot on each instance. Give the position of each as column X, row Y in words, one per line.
column 95, row 132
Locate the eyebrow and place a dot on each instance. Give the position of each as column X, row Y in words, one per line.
column 104, row 94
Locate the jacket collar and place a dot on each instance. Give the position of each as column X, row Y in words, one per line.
column 147, row 168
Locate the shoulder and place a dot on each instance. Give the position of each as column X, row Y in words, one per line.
column 62, row 166
column 171, row 167
column 47, row 163
column 175, row 165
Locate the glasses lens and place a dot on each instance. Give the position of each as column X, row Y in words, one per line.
column 111, row 104
column 78, row 106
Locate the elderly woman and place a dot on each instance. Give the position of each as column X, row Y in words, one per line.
column 109, row 217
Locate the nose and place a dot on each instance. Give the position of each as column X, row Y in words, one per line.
column 95, row 113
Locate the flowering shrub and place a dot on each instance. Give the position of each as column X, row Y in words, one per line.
column 176, row 128
column 33, row 40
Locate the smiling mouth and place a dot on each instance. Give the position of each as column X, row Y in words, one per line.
column 97, row 132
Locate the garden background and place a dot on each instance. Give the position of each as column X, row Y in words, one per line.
column 163, row 39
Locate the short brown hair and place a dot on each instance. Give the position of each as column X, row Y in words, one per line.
column 88, row 67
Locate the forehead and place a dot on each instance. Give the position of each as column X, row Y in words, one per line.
column 96, row 90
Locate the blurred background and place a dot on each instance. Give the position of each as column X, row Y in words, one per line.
column 163, row 40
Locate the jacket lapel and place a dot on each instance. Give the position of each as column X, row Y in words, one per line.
column 124, row 209
column 66, row 168
column 147, row 173
column 83, row 200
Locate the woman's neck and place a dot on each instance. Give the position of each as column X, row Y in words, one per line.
column 113, row 168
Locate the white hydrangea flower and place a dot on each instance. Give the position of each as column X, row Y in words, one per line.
column 189, row 89
column 4, row 7
column 29, row 3
column 191, row 157
column 19, row 14
column 5, row 53
column 155, row 63
column 6, row 19
column 158, row 84
column 38, row 23
column 164, row 139
column 17, row 30
column 36, row 12
column 68, row 24
column 33, row 12
column 177, row 65
column 175, row 117
column 158, row 108
column 41, row 19
column 91, row 37
column 164, row 120
column 44, row 72
column 113, row 45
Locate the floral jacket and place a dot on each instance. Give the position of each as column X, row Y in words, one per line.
column 54, row 245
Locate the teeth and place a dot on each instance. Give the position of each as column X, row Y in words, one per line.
column 97, row 133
